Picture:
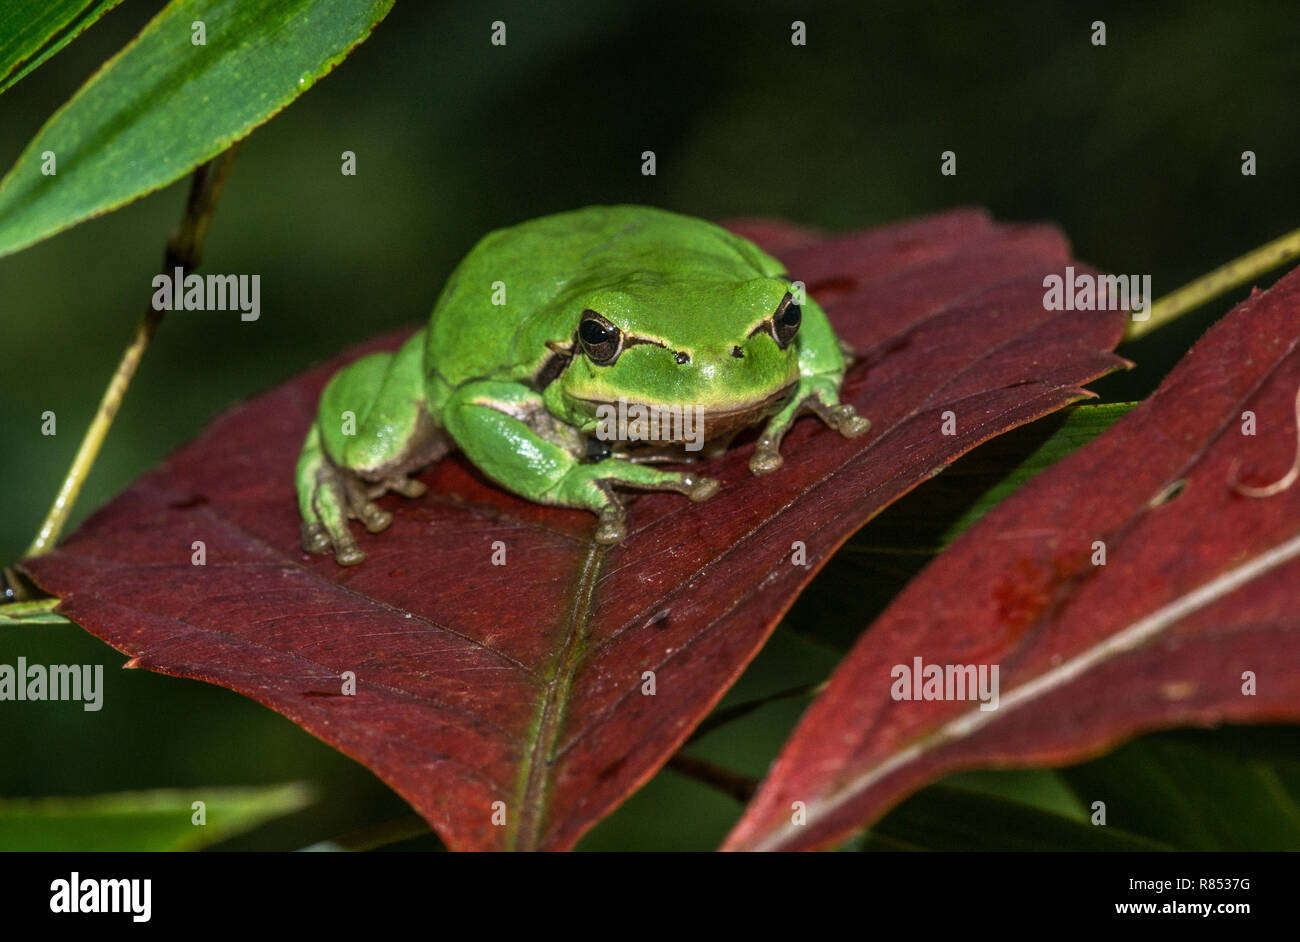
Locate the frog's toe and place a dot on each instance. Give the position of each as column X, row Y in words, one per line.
column 346, row 551
column 408, row 487
column 699, row 488
column 349, row 554
column 841, row 416
column 612, row 526
column 374, row 519
column 314, row 537
column 371, row 517
column 362, row 508
column 318, row 538
column 767, row 456
column 848, row 422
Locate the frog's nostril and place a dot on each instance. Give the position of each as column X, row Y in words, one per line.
column 683, row 358
column 737, row 352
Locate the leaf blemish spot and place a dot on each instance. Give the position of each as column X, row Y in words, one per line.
column 1168, row 493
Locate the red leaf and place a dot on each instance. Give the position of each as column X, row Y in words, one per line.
column 522, row 683
column 1199, row 585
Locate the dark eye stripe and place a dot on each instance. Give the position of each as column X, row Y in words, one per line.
column 783, row 324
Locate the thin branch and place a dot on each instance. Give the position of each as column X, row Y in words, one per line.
column 183, row 251
column 739, row 787
column 1237, row 272
column 729, row 715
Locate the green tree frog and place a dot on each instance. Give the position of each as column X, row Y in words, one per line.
column 539, row 331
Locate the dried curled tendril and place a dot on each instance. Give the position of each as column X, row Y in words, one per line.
column 1282, row 483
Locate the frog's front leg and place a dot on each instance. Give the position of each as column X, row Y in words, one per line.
column 821, row 370
column 371, row 431
column 505, row 430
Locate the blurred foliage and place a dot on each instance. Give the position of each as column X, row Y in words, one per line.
column 1132, row 149
column 153, row 820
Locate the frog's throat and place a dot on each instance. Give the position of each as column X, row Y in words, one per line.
column 713, row 423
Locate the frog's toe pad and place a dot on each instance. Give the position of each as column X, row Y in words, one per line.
column 699, row 488
column 611, row 528
column 349, row 555
column 848, row 422
column 408, row 487
column 375, row 519
column 766, row 458
column 315, row 539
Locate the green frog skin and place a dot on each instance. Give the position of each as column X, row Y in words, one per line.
column 603, row 305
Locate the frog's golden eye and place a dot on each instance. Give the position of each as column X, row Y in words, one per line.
column 785, row 323
column 600, row 339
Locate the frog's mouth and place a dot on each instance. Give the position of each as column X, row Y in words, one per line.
column 625, row 421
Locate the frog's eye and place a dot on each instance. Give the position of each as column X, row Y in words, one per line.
column 601, row 340
column 785, row 323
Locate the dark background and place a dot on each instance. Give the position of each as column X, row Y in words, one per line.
column 1133, row 149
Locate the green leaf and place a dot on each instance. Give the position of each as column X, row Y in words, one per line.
column 33, row 30
column 950, row 505
column 942, row 817
column 146, row 820
column 1193, row 798
column 163, row 106
column 40, row 612
column 1268, row 744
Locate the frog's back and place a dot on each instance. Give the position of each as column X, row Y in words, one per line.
column 539, row 262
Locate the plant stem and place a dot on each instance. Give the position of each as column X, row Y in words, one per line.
column 183, row 250
column 721, row 718
column 1222, row 279
column 739, row 787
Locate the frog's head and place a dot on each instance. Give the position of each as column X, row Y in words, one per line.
column 727, row 350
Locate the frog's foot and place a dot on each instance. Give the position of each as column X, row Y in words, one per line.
column 407, row 487
column 341, row 495
column 325, row 515
column 592, row 486
column 822, row 403
column 842, row 417
column 329, row 496
column 767, row 453
column 612, row 523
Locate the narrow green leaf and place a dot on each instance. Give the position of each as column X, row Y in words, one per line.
column 1170, row 791
column 33, row 30
column 40, row 612
column 942, row 817
column 163, row 105
column 950, row 504
column 147, row 820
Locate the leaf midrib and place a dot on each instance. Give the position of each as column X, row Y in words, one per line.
column 535, row 771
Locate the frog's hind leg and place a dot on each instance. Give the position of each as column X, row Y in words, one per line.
column 371, row 433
